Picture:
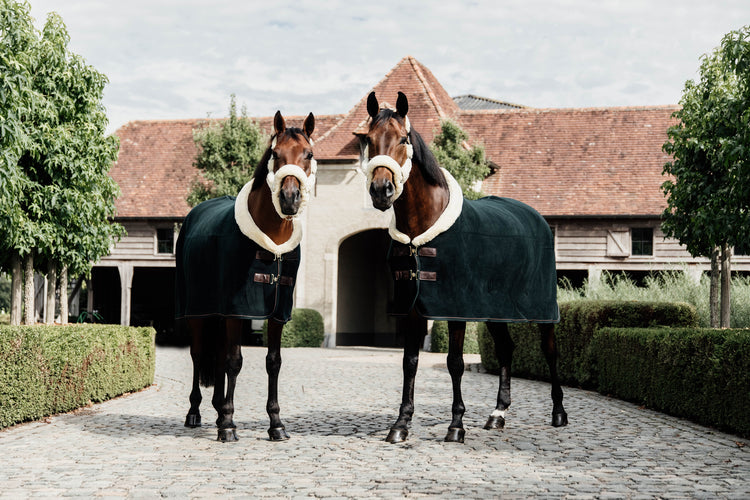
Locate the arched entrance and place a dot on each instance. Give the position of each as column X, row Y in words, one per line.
column 363, row 291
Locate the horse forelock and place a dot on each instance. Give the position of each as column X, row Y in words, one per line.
column 261, row 170
column 423, row 157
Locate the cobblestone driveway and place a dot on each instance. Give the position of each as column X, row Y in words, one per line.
column 337, row 404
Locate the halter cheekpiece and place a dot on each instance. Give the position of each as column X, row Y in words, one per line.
column 400, row 172
column 274, row 181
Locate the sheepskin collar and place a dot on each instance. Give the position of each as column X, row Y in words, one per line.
column 444, row 222
column 251, row 230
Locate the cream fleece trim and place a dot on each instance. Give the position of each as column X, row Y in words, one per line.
column 444, row 222
column 306, row 185
column 251, row 230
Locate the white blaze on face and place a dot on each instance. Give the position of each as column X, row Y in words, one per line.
column 275, row 179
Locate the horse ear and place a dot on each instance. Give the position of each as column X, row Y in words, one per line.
column 279, row 125
column 402, row 105
column 372, row 105
column 309, row 125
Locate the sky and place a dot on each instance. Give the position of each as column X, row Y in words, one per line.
column 172, row 59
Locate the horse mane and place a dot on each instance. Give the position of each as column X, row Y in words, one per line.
column 261, row 170
column 423, row 157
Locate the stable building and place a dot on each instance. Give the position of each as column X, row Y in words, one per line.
column 594, row 174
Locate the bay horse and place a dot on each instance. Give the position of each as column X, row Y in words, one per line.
column 237, row 260
column 489, row 260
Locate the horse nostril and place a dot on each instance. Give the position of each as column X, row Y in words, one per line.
column 389, row 189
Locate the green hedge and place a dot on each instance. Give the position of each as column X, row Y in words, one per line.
column 305, row 329
column 700, row 374
column 439, row 337
column 52, row 369
column 579, row 320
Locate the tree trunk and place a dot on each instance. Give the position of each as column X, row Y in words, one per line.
column 16, row 290
column 49, row 306
column 29, row 291
column 726, row 284
column 713, row 301
column 64, row 296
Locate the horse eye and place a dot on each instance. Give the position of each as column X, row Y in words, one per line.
column 309, row 156
column 275, row 155
column 404, row 139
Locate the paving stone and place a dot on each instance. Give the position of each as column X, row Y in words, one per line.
column 338, row 405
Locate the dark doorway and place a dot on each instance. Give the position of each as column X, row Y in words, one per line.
column 105, row 284
column 152, row 300
column 364, row 286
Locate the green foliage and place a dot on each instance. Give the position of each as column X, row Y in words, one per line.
column 699, row 374
column 229, row 151
column 52, row 369
column 62, row 196
column 708, row 199
column 305, row 329
column 673, row 286
column 439, row 338
column 579, row 321
column 466, row 164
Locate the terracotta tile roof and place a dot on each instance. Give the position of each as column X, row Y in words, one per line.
column 563, row 162
column 155, row 165
column 428, row 104
column 603, row 161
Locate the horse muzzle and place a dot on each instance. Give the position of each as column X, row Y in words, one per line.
column 382, row 193
column 290, row 196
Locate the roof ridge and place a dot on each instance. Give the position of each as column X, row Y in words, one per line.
column 423, row 80
column 654, row 107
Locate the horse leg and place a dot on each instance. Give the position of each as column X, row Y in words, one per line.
column 195, row 328
column 276, row 432
column 226, row 426
column 549, row 347
column 504, row 351
column 413, row 328
column 232, row 356
column 456, row 331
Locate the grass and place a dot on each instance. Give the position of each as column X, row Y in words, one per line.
column 671, row 286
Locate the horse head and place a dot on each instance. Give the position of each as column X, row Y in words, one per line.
column 291, row 166
column 388, row 142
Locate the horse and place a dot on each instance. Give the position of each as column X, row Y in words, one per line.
column 489, row 260
column 237, row 260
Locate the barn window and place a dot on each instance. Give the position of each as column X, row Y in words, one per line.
column 642, row 241
column 164, row 240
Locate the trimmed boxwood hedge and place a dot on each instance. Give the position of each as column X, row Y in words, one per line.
column 53, row 369
column 305, row 329
column 700, row 374
column 579, row 320
column 439, row 338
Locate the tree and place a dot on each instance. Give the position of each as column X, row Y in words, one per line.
column 65, row 199
column 228, row 152
column 466, row 164
column 708, row 196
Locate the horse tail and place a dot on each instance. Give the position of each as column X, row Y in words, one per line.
column 204, row 351
column 207, row 362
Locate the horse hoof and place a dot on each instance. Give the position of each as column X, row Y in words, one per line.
column 397, row 435
column 497, row 422
column 455, row 435
column 559, row 419
column 193, row 420
column 227, row 435
column 278, row 434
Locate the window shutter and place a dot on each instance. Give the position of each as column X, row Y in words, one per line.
column 618, row 243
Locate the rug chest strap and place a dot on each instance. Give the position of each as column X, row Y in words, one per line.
column 421, row 251
column 271, row 278
column 407, row 274
column 265, row 255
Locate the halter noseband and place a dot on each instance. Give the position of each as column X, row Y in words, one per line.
column 400, row 172
column 274, row 180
